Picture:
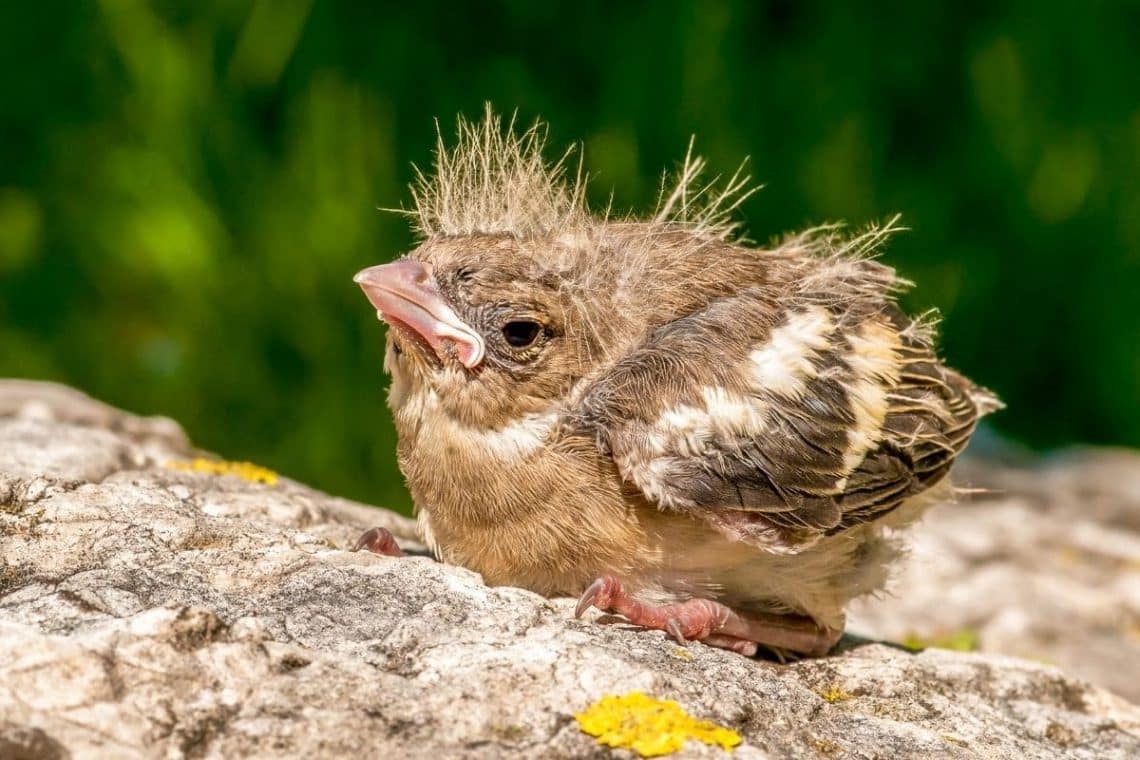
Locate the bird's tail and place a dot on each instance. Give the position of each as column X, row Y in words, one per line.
column 985, row 400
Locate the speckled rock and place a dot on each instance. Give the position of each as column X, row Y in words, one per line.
column 147, row 611
column 1043, row 563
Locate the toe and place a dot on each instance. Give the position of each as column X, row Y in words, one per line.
column 378, row 541
column 673, row 628
column 588, row 598
column 597, row 594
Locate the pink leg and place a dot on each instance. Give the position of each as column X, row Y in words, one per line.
column 712, row 622
column 379, row 541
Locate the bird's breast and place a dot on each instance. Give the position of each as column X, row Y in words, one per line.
column 521, row 504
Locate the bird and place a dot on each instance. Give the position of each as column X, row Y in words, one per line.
column 711, row 438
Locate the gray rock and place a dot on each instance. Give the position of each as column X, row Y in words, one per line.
column 1043, row 564
column 147, row 611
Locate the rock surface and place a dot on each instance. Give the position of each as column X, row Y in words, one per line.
column 147, row 611
column 1045, row 566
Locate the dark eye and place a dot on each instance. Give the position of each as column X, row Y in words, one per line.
column 521, row 333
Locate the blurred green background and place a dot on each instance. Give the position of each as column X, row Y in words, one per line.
column 186, row 188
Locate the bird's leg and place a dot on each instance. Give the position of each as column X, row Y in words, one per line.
column 379, row 541
column 712, row 622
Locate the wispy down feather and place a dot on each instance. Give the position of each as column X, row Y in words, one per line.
column 496, row 180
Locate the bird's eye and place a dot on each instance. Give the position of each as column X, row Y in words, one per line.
column 521, row 333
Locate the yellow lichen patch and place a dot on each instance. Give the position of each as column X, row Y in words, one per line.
column 834, row 693
column 650, row 727
column 681, row 653
column 962, row 640
column 244, row 470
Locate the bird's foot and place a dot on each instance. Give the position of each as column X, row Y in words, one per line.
column 712, row 622
column 379, row 541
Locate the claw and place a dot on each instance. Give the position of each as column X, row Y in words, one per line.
column 673, row 628
column 378, row 541
column 589, row 597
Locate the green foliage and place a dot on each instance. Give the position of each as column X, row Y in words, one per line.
column 186, row 188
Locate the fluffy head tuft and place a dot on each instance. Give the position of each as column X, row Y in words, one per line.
column 496, row 181
column 493, row 181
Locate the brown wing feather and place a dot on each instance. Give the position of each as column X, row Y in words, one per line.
column 781, row 429
column 931, row 419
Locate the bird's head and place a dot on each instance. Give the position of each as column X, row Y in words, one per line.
column 491, row 324
column 518, row 290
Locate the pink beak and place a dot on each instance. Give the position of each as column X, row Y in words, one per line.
column 405, row 292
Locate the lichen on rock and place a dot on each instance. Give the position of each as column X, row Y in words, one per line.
column 244, row 470
column 650, row 727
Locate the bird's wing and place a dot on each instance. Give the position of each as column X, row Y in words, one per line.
column 781, row 424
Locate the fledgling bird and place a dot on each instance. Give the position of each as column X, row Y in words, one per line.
column 712, row 439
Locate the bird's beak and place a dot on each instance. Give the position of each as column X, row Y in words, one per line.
column 405, row 293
